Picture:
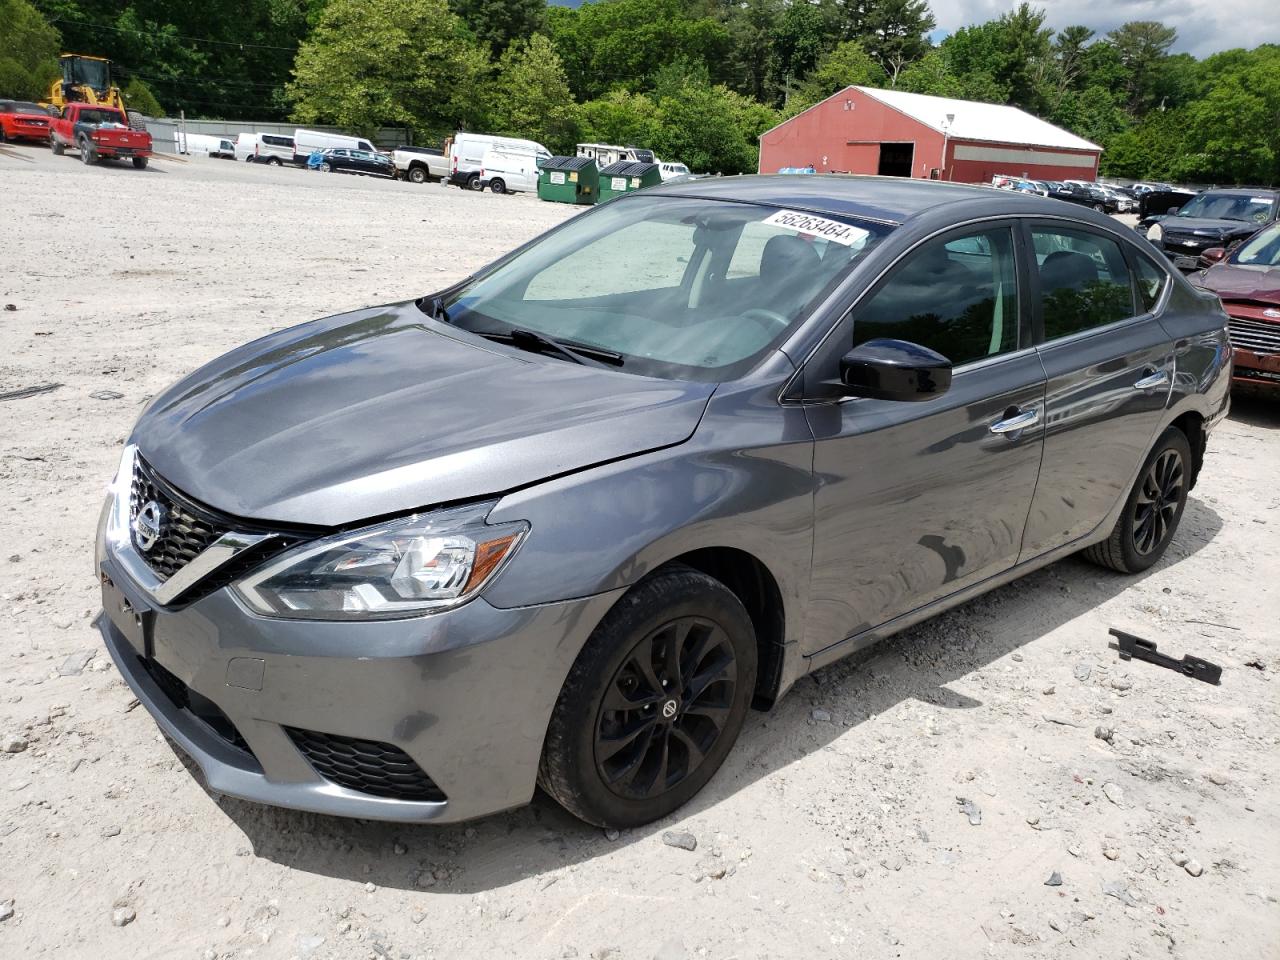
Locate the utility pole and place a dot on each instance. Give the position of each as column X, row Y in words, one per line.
column 946, row 132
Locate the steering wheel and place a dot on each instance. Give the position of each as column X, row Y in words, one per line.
column 771, row 321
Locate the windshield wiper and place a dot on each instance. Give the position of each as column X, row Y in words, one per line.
column 569, row 350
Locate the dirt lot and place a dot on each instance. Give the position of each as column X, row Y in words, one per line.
column 833, row 831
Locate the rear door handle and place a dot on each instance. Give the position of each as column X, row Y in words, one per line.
column 1152, row 380
column 1019, row 421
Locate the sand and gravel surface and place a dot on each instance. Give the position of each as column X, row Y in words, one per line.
column 993, row 783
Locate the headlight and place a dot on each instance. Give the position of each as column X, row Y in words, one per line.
column 1155, row 234
column 401, row 568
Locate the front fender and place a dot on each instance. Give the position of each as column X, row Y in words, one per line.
column 744, row 480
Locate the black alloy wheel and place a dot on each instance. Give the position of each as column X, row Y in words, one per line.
column 665, row 708
column 1159, row 500
column 653, row 702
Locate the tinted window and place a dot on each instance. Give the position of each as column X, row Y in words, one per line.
column 956, row 295
column 1262, row 249
column 1151, row 281
column 1084, row 282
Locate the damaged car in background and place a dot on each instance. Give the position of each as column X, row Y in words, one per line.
column 566, row 521
column 1214, row 218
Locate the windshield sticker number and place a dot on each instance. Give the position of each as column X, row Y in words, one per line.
column 808, row 223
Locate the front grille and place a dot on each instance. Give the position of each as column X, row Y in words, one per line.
column 1255, row 335
column 370, row 767
column 186, row 531
column 200, row 707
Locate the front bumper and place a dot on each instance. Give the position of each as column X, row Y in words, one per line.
column 466, row 694
column 1255, row 369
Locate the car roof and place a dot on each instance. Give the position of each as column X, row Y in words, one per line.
column 886, row 199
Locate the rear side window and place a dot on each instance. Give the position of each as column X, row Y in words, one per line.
column 1084, row 282
column 1151, row 281
column 956, row 295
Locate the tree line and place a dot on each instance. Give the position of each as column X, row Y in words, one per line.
column 696, row 80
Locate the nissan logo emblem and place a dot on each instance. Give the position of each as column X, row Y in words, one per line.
column 148, row 525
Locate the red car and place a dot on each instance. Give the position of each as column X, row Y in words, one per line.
column 23, row 120
column 1247, row 280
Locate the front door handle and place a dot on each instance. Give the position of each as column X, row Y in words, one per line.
column 1152, row 380
column 1019, row 421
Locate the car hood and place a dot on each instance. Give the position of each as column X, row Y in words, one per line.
column 1231, row 281
column 1210, row 227
column 383, row 411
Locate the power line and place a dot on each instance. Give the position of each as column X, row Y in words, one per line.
column 172, row 36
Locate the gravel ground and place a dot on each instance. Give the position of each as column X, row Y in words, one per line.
column 991, row 783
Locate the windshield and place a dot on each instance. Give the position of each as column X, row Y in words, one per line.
column 1229, row 206
column 1262, row 249
column 679, row 288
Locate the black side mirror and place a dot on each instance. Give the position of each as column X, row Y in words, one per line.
column 894, row 370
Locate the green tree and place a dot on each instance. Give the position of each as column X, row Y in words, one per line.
column 375, row 62
column 895, row 33
column 847, row 64
column 620, row 117
column 751, row 27
column 138, row 96
column 712, row 128
column 28, row 51
column 1141, row 45
column 499, row 23
column 530, row 96
column 799, row 39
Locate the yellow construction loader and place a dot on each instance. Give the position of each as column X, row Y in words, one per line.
column 85, row 79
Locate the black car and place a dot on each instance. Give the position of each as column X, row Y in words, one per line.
column 1084, row 195
column 1214, row 218
column 343, row 160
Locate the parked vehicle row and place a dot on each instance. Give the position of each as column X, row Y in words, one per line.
column 1213, row 218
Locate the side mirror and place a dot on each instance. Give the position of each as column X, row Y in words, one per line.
column 894, row 370
column 1212, row 255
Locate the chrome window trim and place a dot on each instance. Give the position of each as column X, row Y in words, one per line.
column 1021, row 217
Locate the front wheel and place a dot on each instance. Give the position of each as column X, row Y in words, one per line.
column 653, row 703
column 1100, row 207
column 1153, row 510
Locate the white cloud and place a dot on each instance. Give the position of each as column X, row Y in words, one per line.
column 1204, row 26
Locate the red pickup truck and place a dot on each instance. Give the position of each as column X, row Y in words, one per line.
column 99, row 133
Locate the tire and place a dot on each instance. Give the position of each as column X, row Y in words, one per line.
column 1100, row 207
column 497, row 186
column 56, row 146
column 626, row 662
column 249, row 159
column 140, row 163
column 2, row 135
column 417, row 175
column 275, row 162
column 473, row 182
column 87, row 155
column 325, row 168
column 1152, row 511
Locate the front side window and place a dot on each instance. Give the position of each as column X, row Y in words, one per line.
column 956, row 295
column 678, row 287
column 1084, row 281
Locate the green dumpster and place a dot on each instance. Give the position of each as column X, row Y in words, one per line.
column 568, row 179
column 626, row 176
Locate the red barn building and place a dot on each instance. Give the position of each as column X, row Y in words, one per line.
column 888, row 132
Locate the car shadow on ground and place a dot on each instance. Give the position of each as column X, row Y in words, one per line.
column 1257, row 409
column 541, row 838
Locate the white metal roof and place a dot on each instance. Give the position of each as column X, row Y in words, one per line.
column 992, row 122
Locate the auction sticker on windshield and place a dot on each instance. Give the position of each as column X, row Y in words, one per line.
column 816, row 226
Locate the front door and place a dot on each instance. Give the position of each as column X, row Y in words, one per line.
column 1109, row 365
column 916, row 501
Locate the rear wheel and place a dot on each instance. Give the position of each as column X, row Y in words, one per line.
column 325, row 168
column 497, row 186
column 1153, row 510
column 56, row 146
column 1100, row 207
column 275, row 162
column 653, row 703
column 473, row 182
column 87, row 154
column 417, row 175
column 140, row 163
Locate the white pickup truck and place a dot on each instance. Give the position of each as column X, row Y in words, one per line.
column 420, row 164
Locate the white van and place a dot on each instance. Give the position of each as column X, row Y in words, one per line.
column 670, row 171
column 467, row 150
column 201, row 143
column 306, row 142
column 273, row 148
column 506, row 171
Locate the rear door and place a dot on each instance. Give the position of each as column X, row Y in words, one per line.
column 916, row 501
column 1110, row 368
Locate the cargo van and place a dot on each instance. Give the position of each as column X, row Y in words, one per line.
column 467, row 150
column 273, row 148
column 306, row 142
column 201, row 143
column 508, row 171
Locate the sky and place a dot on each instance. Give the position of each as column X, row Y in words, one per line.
column 1204, row 26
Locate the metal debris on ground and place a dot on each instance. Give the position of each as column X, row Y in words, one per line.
column 29, row 391
column 970, row 810
column 106, row 395
column 1132, row 647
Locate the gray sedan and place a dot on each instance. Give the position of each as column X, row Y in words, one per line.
column 565, row 522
